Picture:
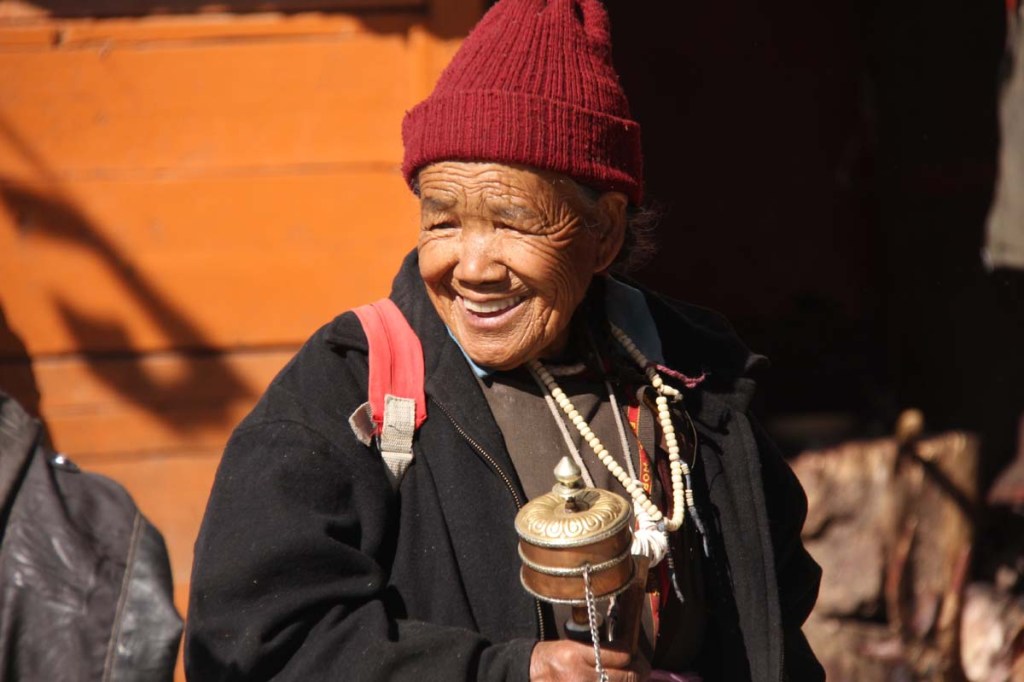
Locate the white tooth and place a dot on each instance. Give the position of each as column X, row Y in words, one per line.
column 491, row 306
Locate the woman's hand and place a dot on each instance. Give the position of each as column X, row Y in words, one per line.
column 566, row 661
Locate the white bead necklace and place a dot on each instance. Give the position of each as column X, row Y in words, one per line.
column 648, row 539
column 677, row 467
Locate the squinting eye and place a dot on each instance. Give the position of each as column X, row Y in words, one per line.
column 446, row 225
column 514, row 228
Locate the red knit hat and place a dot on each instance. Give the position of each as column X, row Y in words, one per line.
column 533, row 83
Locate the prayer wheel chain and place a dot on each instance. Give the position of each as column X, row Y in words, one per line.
column 595, row 636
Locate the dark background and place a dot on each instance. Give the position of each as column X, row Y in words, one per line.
column 825, row 171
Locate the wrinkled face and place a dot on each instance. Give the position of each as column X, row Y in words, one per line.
column 507, row 254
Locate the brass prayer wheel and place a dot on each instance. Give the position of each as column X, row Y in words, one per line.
column 563, row 532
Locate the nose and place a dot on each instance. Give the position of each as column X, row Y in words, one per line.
column 480, row 258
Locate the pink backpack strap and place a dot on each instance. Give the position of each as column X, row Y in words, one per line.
column 396, row 404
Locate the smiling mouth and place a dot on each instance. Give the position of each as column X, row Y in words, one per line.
column 492, row 308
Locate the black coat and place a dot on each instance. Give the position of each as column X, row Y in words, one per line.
column 87, row 593
column 308, row 567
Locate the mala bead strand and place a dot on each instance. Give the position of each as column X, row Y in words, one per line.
column 647, row 539
column 682, row 484
column 678, row 468
column 620, row 474
column 676, row 465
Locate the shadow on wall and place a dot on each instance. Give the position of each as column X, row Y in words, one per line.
column 132, row 8
column 16, row 376
column 450, row 21
column 42, row 207
column 49, row 213
column 826, row 171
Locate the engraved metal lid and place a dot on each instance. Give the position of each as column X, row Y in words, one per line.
column 571, row 515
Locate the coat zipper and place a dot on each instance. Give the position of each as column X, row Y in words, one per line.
column 508, row 484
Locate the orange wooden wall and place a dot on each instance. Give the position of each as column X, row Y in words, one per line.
column 183, row 200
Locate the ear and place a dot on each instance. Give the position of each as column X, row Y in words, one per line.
column 611, row 214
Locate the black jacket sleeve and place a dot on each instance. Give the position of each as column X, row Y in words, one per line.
column 290, row 580
column 798, row 575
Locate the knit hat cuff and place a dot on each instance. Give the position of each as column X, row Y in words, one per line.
column 595, row 149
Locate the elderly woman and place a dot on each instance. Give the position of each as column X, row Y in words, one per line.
column 311, row 566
